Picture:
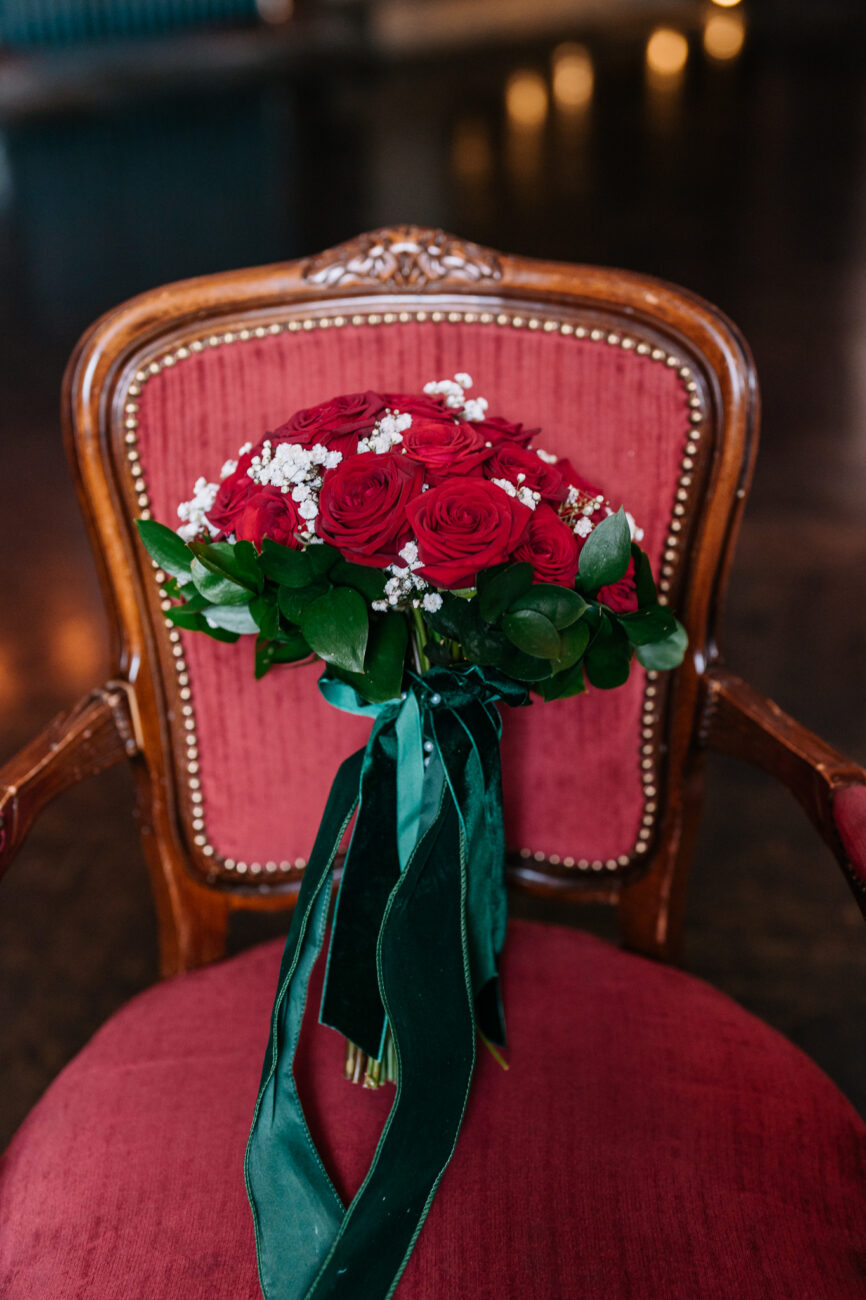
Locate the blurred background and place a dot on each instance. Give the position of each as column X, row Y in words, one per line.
column 719, row 145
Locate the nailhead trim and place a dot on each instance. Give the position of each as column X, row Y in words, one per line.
column 650, row 716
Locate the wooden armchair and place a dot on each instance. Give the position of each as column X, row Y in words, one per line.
column 651, row 1139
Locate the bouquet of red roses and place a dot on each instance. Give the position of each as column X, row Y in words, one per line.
column 439, row 564
column 379, row 514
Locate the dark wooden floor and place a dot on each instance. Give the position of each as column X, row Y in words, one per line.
column 748, row 185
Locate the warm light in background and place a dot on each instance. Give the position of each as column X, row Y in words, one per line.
column 724, row 36
column 471, row 153
column 667, row 52
column 77, row 650
column 573, row 76
column 526, row 99
column 275, row 11
column 726, row 4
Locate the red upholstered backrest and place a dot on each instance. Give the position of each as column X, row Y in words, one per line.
column 580, row 775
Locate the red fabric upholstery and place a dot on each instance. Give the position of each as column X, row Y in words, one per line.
column 651, row 1141
column 623, row 420
column 849, row 810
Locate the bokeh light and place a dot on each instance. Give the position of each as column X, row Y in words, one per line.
column 573, row 77
column 724, row 36
column 526, row 99
column 667, row 52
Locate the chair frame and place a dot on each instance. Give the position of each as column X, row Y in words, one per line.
column 388, row 275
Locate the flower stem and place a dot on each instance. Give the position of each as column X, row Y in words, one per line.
column 418, row 637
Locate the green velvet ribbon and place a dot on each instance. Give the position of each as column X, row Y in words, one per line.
column 415, row 943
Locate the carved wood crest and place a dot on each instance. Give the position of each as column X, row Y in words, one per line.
column 402, row 257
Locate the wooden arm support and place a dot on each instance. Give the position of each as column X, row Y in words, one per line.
column 94, row 735
column 830, row 787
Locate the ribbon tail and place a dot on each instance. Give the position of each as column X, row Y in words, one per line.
column 296, row 1210
column 427, row 991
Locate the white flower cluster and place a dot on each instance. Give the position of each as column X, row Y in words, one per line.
column 527, row 495
column 406, row 585
column 454, row 392
column 297, row 470
column 386, row 433
column 636, row 533
column 194, row 511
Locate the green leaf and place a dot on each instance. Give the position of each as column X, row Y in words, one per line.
column 643, row 578
column 646, row 626
column 194, row 621
column 287, row 567
column 336, row 626
column 370, row 582
column 667, row 653
column 231, row 618
column 322, row 558
column 217, row 589
column 575, row 639
column 606, row 552
column 183, row 616
column 235, row 560
column 533, row 633
column 170, row 551
column 608, row 658
column 289, row 647
column 498, row 593
column 386, row 658
column 285, row 651
column 563, row 684
column 267, row 616
column 294, row 600
column 525, row 668
column 561, row 606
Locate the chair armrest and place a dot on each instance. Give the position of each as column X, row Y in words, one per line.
column 94, row 735
column 829, row 787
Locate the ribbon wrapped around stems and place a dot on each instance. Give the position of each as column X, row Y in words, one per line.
column 417, row 932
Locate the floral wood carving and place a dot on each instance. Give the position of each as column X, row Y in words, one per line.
column 402, row 257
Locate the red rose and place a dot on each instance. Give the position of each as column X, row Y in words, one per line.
column 421, row 405
column 270, row 512
column 498, row 431
column 445, row 447
column 551, row 548
column 362, row 506
column 621, row 596
column 509, row 462
column 234, row 492
column 337, row 424
column 464, row 525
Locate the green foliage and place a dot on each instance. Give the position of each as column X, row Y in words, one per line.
column 287, row 567
column 532, row 633
column 313, row 602
column 382, row 678
column 665, row 654
column 216, row 588
column 561, row 606
column 237, row 561
column 608, row 658
column 163, row 545
column 336, row 626
column 496, row 594
column 647, row 626
column 231, row 618
column 370, row 582
column 606, row 552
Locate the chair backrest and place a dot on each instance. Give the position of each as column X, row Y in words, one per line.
column 649, row 390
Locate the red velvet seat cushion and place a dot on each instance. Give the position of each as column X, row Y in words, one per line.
column 651, row 1140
